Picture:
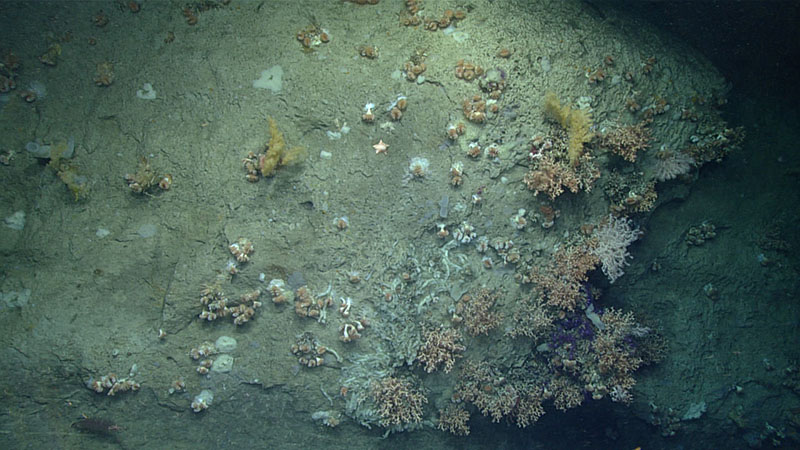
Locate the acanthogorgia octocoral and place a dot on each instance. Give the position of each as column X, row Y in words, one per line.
column 577, row 122
column 277, row 154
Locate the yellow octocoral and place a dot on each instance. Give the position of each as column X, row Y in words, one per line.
column 277, row 154
column 77, row 184
column 577, row 122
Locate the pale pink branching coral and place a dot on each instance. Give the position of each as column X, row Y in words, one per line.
column 670, row 164
column 454, row 419
column 440, row 349
column 561, row 280
column 612, row 240
column 626, row 141
column 399, row 402
column 477, row 312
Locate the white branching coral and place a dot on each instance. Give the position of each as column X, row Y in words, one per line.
column 613, row 238
column 671, row 164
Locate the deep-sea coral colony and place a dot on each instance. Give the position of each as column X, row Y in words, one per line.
column 558, row 162
column 441, row 230
column 350, row 331
column 648, row 64
column 203, row 354
column 474, row 150
column 9, row 65
column 414, row 18
column 671, row 164
column 474, row 109
column 202, row 401
column 305, row 305
column 312, row 36
column 178, row 385
column 440, row 349
column 100, row 19
column 6, row 157
column 191, row 17
column 492, row 151
column 491, row 82
column 50, row 56
column 105, row 74
column 456, row 173
column 341, row 222
column 562, row 279
column 368, row 51
column 241, row 250
column 454, row 131
column 715, row 145
column 77, row 184
column 496, row 396
column 369, row 114
column 518, row 220
column 415, row 65
column 275, row 154
column 418, row 167
column 613, row 237
column 216, row 305
column 146, row 179
column 453, row 419
column 627, row 141
column 309, row 351
column 577, row 123
column 467, row 71
column 112, row 385
column 399, row 402
column 279, row 292
column 30, row 95
column 465, row 233
column 476, row 311
column 699, row 234
column 397, row 108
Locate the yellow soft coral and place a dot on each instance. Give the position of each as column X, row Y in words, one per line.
column 68, row 173
column 577, row 122
column 276, row 153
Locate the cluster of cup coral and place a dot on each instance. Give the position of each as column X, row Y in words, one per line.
column 310, row 352
column 216, row 305
column 105, row 74
column 111, row 385
column 350, row 331
column 146, row 179
column 8, row 72
column 203, row 354
column 312, row 36
column 241, row 251
column 280, row 293
column 202, row 401
column 305, row 305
